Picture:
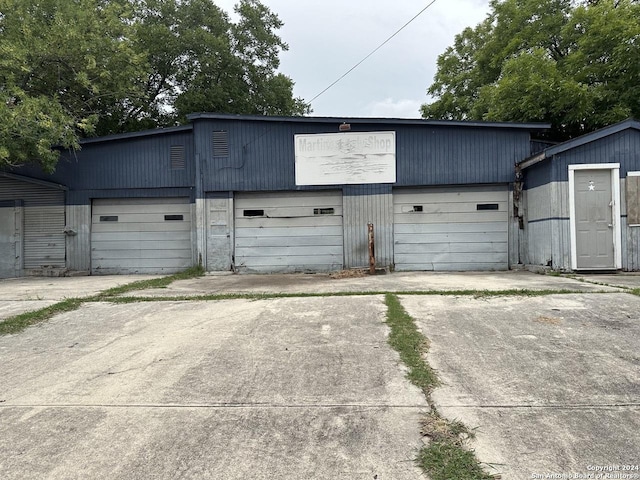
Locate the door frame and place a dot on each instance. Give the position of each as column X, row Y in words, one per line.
column 614, row 169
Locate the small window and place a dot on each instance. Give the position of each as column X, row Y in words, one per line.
column 173, row 217
column 220, row 144
column 487, row 206
column 323, row 211
column 177, row 157
column 253, row 213
column 108, row 218
column 417, row 208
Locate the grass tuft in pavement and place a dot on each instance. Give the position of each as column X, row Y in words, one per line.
column 447, row 461
column 18, row 323
column 445, row 457
column 410, row 344
column 161, row 282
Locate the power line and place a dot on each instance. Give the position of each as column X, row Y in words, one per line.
column 374, row 51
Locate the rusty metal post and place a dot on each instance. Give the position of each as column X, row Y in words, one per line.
column 372, row 250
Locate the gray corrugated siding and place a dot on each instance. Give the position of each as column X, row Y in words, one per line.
column 548, row 227
column 450, row 233
column 289, row 237
column 79, row 245
column 10, row 239
column 141, row 240
column 219, row 224
column 363, row 205
column 44, row 220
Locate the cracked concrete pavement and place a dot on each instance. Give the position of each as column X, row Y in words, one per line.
column 550, row 384
column 308, row 387
column 285, row 388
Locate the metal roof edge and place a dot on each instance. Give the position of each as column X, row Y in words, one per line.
column 593, row 136
column 23, row 178
column 141, row 133
column 371, row 120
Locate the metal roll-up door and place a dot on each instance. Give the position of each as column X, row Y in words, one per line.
column 146, row 235
column 289, row 232
column 44, row 242
column 451, row 228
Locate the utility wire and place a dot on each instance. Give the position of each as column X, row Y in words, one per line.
column 374, row 51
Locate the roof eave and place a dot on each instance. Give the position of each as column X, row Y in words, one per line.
column 368, row 120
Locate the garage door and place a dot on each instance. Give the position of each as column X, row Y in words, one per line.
column 288, row 232
column 451, row 228
column 141, row 235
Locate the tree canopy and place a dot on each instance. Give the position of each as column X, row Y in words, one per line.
column 76, row 68
column 573, row 64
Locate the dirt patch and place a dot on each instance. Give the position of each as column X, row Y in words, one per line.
column 351, row 273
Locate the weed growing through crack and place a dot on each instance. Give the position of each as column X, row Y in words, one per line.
column 18, row 323
column 161, row 282
column 445, row 457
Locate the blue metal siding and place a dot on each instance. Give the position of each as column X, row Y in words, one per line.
column 537, row 175
column 262, row 154
column 622, row 148
column 83, row 197
column 135, row 163
column 451, row 156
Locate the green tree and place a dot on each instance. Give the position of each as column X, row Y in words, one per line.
column 61, row 63
column 76, row 68
column 575, row 65
column 198, row 60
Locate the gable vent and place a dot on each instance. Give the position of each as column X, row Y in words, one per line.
column 177, row 157
column 220, row 144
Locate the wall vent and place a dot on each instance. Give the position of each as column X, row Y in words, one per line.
column 324, row 211
column 220, row 144
column 487, row 206
column 178, row 161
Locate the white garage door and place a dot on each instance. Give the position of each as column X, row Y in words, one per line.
column 288, row 232
column 463, row 228
column 150, row 235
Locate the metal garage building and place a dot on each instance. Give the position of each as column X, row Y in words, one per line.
column 278, row 194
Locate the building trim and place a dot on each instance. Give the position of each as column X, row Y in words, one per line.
column 35, row 181
column 579, row 141
column 369, row 121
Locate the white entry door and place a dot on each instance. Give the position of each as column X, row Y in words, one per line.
column 595, row 217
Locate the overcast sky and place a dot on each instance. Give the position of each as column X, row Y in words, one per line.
column 328, row 37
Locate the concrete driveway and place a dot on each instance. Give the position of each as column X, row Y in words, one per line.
column 309, row 388
column 551, row 384
column 285, row 388
column 18, row 295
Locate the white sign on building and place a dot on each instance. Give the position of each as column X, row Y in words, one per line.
column 345, row 158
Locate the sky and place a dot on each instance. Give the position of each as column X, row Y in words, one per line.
column 326, row 38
